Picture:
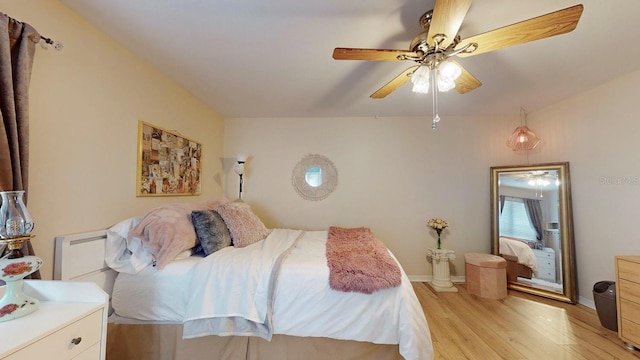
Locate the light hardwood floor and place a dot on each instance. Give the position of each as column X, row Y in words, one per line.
column 521, row 326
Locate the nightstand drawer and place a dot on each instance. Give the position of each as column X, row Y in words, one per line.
column 628, row 270
column 91, row 353
column 546, row 264
column 630, row 310
column 545, row 255
column 629, row 290
column 630, row 331
column 59, row 345
column 546, row 274
column 628, row 298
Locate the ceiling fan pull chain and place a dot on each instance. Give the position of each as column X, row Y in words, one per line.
column 434, row 97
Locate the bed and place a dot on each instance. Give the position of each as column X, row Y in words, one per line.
column 270, row 299
column 521, row 260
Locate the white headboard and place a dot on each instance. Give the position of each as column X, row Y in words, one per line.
column 80, row 257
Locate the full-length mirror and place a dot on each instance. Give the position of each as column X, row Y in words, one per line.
column 532, row 228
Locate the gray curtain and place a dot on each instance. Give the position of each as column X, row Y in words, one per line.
column 17, row 48
column 534, row 210
column 502, row 199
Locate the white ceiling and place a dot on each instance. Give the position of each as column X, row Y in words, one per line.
column 273, row 58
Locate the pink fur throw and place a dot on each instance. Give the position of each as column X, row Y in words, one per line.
column 167, row 230
column 358, row 262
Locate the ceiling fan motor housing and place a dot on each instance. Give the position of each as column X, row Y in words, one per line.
column 425, row 19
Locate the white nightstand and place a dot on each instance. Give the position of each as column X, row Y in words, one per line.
column 546, row 264
column 71, row 323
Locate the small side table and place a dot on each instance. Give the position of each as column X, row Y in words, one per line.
column 441, row 278
column 70, row 323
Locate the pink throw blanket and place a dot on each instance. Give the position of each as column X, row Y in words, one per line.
column 358, row 262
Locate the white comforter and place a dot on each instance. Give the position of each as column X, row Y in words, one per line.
column 229, row 288
column 233, row 290
column 518, row 248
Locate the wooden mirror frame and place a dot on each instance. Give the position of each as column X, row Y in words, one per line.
column 565, row 217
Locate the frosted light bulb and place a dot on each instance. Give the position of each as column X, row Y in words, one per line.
column 449, row 70
column 421, row 88
column 420, row 80
column 445, row 84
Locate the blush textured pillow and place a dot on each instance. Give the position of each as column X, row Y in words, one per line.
column 244, row 226
column 167, row 230
column 211, row 230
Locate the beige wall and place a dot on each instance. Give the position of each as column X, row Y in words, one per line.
column 86, row 101
column 394, row 173
column 597, row 131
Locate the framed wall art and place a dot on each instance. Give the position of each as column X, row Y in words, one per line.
column 169, row 164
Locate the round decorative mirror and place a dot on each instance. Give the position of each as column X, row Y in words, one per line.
column 314, row 177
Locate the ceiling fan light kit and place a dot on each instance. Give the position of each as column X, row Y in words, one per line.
column 434, row 48
column 446, row 75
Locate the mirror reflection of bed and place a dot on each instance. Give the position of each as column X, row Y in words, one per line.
column 532, row 228
column 528, row 265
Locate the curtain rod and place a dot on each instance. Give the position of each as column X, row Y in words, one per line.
column 45, row 41
column 57, row 45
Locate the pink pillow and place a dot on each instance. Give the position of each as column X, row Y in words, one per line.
column 167, row 230
column 244, row 226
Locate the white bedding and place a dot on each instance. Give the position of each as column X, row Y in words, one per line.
column 518, row 248
column 234, row 289
column 304, row 304
column 154, row 295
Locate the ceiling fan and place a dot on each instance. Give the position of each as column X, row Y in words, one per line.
column 440, row 41
column 538, row 177
column 538, row 180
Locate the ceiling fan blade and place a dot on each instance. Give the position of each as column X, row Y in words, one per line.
column 555, row 23
column 371, row 54
column 465, row 82
column 446, row 20
column 394, row 84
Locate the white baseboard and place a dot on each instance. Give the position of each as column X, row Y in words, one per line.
column 427, row 278
column 586, row 302
column 461, row 279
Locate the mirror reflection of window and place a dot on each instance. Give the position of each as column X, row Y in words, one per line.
column 514, row 221
column 313, row 176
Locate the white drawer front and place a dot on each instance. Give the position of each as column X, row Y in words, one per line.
column 545, row 263
column 59, row 344
column 547, row 275
column 541, row 254
column 92, row 353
